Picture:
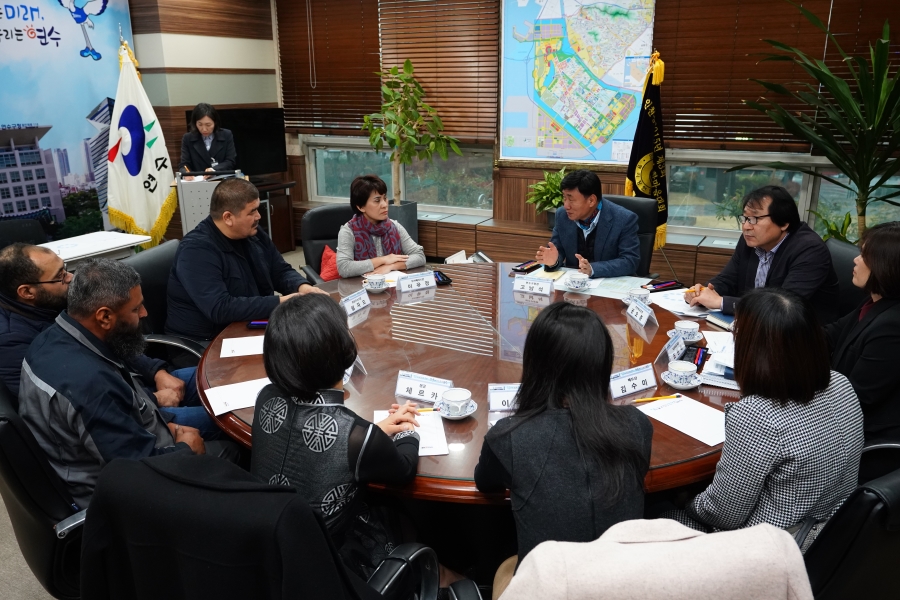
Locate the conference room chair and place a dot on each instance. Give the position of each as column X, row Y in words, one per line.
column 183, row 526
column 842, row 255
column 28, row 231
column 879, row 457
column 45, row 519
column 856, row 554
column 645, row 209
column 154, row 266
column 319, row 228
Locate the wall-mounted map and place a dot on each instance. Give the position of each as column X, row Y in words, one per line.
column 571, row 78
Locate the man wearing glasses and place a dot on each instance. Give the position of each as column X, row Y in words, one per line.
column 776, row 250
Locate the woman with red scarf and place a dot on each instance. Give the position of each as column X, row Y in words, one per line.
column 371, row 242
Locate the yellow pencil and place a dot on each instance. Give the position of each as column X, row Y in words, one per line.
column 428, row 410
column 657, row 398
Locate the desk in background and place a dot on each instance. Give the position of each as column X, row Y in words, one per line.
column 100, row 244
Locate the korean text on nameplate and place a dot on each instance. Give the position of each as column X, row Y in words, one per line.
column 533, row 285
column 674, row 348
column 416, row 386
column 640, row 312
column 356, row 301
column 416, row 281
column 632, row 381
column 502, row 396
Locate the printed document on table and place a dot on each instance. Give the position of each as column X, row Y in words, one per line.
column 701, row 422
column 432, row 440
column 390, row 279
column 673, row 301
column 553, row 275
column 226, row 398
column 609, row 287
column 719, row 342
column 245, row 346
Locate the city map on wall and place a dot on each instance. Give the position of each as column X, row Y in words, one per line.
column 571, row 78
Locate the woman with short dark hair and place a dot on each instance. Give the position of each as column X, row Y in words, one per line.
column 865, row 343
column 207, row 146
column 304, row 436
column 573, row 461
column 793, row 441
column 371, row 242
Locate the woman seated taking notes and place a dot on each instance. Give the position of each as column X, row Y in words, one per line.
column 793, row 441
column 371, row 242
column 865, row 344
column 574, row 463
column 304, row 436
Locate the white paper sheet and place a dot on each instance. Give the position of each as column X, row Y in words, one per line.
column 245, row 346
column 432, row 440
column 690, row 417
column 391, row 278
column 226, row 398
column 610, row 287
column 673, row 301
column 719, row 341
column 90, row 244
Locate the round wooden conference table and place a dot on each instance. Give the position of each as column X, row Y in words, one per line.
column 473, row 333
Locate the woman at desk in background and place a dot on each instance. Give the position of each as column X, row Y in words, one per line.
column 793, row 441
column 206, row 147
column 574, row 462
column 370, row 241
column 865, row 343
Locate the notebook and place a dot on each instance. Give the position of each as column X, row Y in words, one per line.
column 719, row 319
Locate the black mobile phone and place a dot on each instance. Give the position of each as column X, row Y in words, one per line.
column 527, row 267
column 257, row 324
column 441, row 279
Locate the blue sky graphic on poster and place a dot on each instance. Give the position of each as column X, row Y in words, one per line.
column 59, row 61
column 572, row 72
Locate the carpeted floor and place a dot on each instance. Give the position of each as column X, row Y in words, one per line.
column 16, row 579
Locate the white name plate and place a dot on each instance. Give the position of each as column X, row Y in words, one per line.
column 420, row 295
column 502, row 396
column 416, row 281
column 533, row 285
column 640, row 312
column 674, row 348
column 356, row 301
column 625, row 383
column 416, row 386
column 527, row 299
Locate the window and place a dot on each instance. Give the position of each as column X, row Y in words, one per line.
column 30, row 158
column 835, row 202
column 14, row 176
column 465, row 181
column 33, row 204
column 17, row 191
column 335, row 169
column 45, row 202
column 27, row 175
column 39, row 174
column 20, row 205
column 42, row 188
column 2, row 177
column 31, row 189
column 7, row 208
column 7, row 159
column 4, row 193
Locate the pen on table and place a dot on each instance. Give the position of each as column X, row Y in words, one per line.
column 657, row 398
column 428, row 410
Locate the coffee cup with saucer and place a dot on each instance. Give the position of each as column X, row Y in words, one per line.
column 456, row 403
column 682, row 375
column 639, row 294
column 577, row 281
column 689, row 330
column 375, row 283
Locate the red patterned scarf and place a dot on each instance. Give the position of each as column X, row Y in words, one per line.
column 363, row 230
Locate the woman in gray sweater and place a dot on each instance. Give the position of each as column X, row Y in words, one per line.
column 371, row 242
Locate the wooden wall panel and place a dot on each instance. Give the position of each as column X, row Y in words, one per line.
column 684, row 262
column 428, row 237
column 509, row 247
column 453, row 238
column 709, row 265
column 232, row 18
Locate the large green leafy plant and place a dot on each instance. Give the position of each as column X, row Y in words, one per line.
column 855, row 122
column 546, row 195
column 406, row 124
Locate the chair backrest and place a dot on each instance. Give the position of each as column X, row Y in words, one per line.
column 842, row 255
column 28, row 231
column 154, row 266
column 36, row 499
column 879, row 457
column 645, row 209
column 855, row 555
column 319, row 228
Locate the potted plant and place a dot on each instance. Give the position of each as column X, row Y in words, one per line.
column 547, row 195
column 411, row 129
column 856, row 122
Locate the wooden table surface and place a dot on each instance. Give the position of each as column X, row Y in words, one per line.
column 472, row 332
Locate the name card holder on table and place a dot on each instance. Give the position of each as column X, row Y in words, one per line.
column 632, row 381
column 416, row 386
column 533, row 285
column 673, row 350
column 356, row 301
column 640, row 312
column 528, row 299
column 502, row 396
column 416, row 281
column 424, row 294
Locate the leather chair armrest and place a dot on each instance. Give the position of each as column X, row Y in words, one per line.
column 69, row 524
column 312, row 276
column 420, row 559
column 464, row 590
column 171, row 340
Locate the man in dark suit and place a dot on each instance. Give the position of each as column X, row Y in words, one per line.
column 599, row 239
column 206, row 147
column 776, row 250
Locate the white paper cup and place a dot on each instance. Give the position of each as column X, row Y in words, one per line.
column 375, row 281
column 682, row 371
column 578, row 281
column 687, row 329
column 456, row 400
column 639, row 294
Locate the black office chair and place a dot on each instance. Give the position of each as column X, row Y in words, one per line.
column 45, row 519
column 645, row 209
column 879, row 457
column 154, row 266
column 856, row 554
column 28, row 231
column 319, row 228
column 178, row 524
column 842, row 255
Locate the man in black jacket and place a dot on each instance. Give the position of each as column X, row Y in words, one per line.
column 227, row 270
column 776, row 250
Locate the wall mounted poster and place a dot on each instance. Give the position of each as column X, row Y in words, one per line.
column 59, row 68
column 571, row 78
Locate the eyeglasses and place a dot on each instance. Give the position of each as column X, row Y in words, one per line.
column 752, row 220
column 59, row 279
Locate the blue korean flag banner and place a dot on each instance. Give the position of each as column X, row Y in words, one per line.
column 140, row 172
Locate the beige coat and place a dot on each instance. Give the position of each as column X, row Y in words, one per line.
column 663, row 559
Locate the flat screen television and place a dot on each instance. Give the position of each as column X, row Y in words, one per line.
column 258, row 138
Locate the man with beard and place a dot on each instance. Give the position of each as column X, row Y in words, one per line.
column 78, row 397
column 34, row 284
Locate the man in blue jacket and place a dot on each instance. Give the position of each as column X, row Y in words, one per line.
column 597, row 238
column 227, row 270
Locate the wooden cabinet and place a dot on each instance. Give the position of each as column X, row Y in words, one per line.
column 712, row 256
column 681, row 252
column 511, row 241
column 455, row 233
column 428, row 231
